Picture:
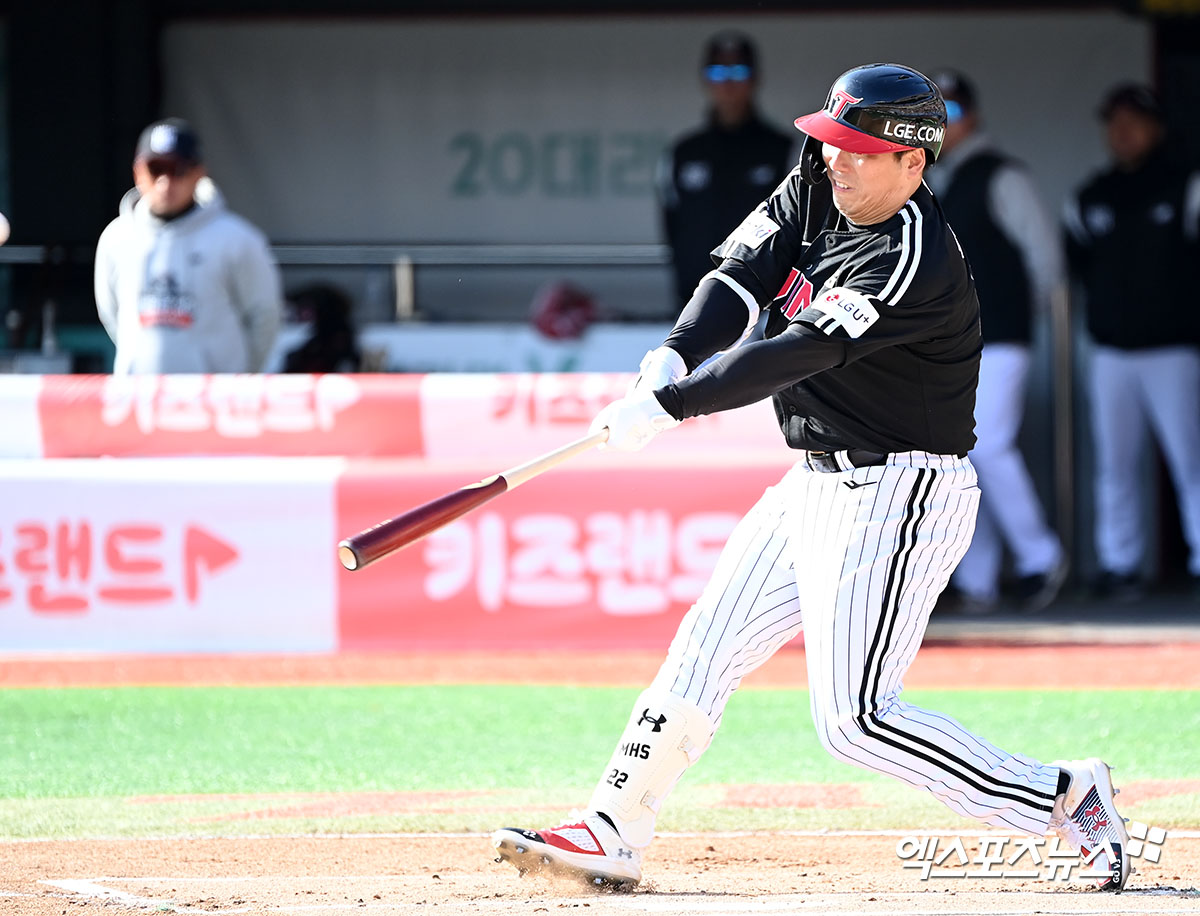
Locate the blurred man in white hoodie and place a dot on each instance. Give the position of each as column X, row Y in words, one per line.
column 182, row 284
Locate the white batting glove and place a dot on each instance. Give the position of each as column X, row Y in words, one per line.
column 658, row 368
column 632, row 421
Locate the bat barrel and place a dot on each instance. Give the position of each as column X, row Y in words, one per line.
column 387, row 537
column 374, row 543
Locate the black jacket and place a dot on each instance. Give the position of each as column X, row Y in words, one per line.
column 1131, row 243
column 710, row 180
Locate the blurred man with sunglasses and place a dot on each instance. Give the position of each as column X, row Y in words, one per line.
column 182, row 284
column 711, row 178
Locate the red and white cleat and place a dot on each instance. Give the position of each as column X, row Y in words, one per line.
column 1086, row 817
column 588, row 850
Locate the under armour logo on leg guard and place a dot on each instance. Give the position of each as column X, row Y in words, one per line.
column 657, row 723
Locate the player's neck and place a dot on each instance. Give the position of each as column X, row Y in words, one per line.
column 882, row 210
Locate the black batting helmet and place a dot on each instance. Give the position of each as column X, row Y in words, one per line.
column 876, row 108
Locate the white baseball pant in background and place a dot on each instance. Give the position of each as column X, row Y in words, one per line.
column 1130, row 391
column 1010, row 512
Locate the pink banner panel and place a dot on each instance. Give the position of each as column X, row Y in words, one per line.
column 520, row 415
column 180, row 555
column 151, row 415
column 580, row 557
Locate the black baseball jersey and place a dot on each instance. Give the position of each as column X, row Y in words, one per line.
column 1132, row 241
column 872, row 340
column 708, row 182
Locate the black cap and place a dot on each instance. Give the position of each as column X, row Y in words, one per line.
column 955, row 87
column 173, row 137
column 731, row 48
column 1135, row 96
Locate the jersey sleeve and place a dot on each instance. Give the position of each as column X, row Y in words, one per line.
column 751, row 372
column 1014, row 203
column 761, row 251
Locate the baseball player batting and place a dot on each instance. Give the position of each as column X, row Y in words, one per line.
column 871, row 355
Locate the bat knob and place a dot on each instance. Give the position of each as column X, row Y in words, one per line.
column 347, row 555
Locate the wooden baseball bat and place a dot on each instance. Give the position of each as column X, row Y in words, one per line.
column 387, row 537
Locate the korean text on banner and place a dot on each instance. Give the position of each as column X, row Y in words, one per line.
column 183, row 555
column 160, row 415
column 585, row 557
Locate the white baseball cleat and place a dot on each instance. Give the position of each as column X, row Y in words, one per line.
column 587, row 849
column 1086, row 817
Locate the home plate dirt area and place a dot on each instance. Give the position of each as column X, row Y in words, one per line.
column 713, row 874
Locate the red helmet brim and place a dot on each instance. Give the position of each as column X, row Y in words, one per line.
column 821, row 126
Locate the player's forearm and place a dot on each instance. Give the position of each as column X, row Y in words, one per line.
column 714, row 319
column 749, row 374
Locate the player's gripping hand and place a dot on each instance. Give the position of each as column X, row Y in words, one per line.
column 632, row 421
column 658, row 368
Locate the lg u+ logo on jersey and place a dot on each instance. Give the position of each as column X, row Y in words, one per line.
column 832, row 309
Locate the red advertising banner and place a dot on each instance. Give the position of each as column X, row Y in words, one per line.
column 162, row 415
column 438, row 417
column 577, row 558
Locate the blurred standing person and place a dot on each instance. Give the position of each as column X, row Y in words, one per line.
column 711, row 178
column 1132, row 245
column 182, row 284
column 1015, row 255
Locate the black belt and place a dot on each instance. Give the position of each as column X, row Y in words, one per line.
column 845, row 460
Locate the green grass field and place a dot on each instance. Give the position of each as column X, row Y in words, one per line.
column 113, row 762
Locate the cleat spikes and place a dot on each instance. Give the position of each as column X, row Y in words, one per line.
column 588, row 851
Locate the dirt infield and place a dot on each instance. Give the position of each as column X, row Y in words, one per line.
column 451, row 875
column 750, row 874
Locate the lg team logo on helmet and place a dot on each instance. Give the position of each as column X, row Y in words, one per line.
column 838, row 100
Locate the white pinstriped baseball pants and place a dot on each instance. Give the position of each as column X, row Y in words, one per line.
column 858, row 568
